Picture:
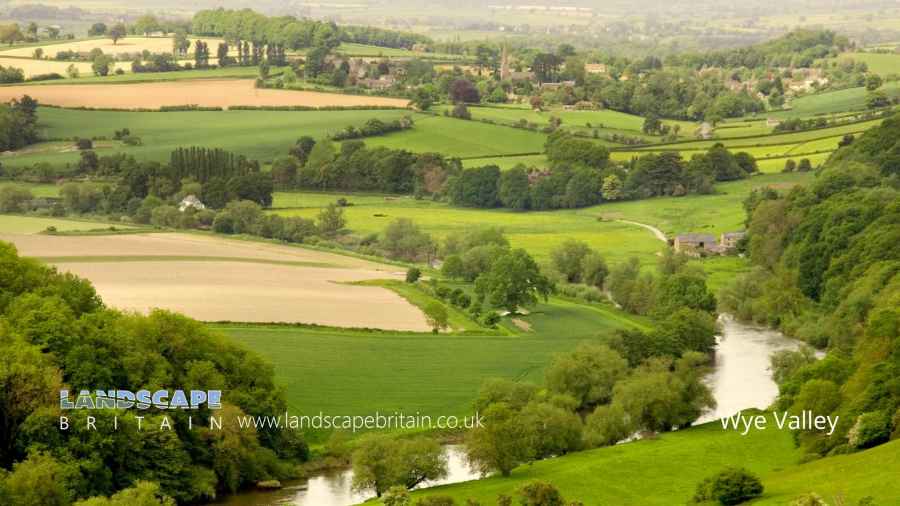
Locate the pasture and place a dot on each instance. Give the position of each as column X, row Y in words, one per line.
column 212, row 279
column 205, row 93
column 604, row 121
column 465, row 139
column 882, row 64
column 850, row 99
column 642, row 472
column 14, row 224
column 261, row 135
column 537, row 232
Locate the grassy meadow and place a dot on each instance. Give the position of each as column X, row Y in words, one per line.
column 882, row 64
column 262, row 135
column 540, row 232
column 464, row 139
column 13, row 224
column 537, row 232
column 667, row 469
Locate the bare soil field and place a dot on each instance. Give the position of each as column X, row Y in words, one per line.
column 207, row 93
column 196, row 276
column 128, row 45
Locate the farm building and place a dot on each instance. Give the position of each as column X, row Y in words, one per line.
column 696, row 244
column 729, row 240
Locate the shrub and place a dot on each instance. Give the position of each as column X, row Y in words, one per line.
column 413, row 274
column 491, row 319
column 84, row 144
column 436, row 500
column 731, row 486
column 540, row 493
column 870, row 429
column 396, row 496
column 223, row 223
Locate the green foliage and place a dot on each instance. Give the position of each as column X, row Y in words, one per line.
column 404, row 240
column 501, row 444
column 413, row 274
column 513, row 280
column 436, row 316
column 331, row 220
column 381, row 462
column 540, row 494
column 587, row 374
column 730, row 486
column 143, row 493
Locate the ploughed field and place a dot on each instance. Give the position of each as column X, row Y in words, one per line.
column 205, row 93
column 214, row 279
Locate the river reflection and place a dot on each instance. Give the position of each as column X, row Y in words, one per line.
column 334, row 489
column 742, row 377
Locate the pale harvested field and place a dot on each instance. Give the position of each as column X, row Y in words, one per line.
column 264, row 283
column 128, row 45
column 207, row 93
column 35, row 67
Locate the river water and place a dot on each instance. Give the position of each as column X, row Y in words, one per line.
column 741, row 379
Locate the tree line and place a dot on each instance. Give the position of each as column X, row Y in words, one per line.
column 581, row 175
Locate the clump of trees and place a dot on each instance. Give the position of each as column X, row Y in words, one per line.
column 184, row 465
column 592, row 398
column 318, row 165
column 381, row 462
column 373, row 127
column 18, row 123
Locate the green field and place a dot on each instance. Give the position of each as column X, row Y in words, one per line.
column 261, row 135
column 714, row 214
column 666, row 470
column 538, row 232
column 10, row 224
column 454, row 137
column 604, row 121
column 882, row 64
column 850, row 99
column 38, row 190
column 341, row 371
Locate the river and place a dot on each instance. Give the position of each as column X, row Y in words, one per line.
column 741, row 379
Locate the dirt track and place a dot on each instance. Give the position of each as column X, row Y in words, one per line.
column 198, row 279
column 202, row 92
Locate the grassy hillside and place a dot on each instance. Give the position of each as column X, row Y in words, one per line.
column 663, row 471
column 666, row 471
